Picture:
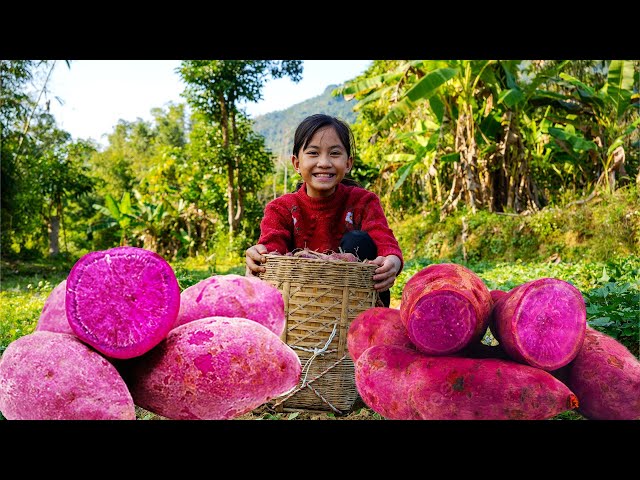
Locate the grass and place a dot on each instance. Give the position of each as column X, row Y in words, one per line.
column 24, row 287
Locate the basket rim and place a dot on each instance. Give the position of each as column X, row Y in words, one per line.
column 340, row 264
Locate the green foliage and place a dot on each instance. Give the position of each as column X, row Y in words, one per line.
column 215, row 89
column 608, row 227
column 20, row 231
column 171, row 125
column 213, row 85
column 51, row 178
column 538, row 130
column 221, row 261
column 209, row 161
column 614, row 308
column 569, row 415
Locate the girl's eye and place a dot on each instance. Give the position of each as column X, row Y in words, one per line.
column 336, row 153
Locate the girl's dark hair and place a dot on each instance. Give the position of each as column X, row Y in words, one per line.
column 310, row 125
column 308, row 128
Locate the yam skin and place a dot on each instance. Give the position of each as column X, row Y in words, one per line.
column 605, row 376
column 541, row 323
column 54, row 376
column 122, row 301
column 376, row 326
column 344, row 256
column 215, row 368
column 233, row 296
column 53, row 317
column 403, row 384
column 444, row 308
column 497, row 294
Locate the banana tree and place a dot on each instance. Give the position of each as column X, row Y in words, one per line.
column 407, row 89
column 122, row 214
column 447, row 88
column 525, row 104
column 609, row 119
column 500, row 127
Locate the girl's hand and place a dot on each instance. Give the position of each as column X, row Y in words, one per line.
column 386, row 273
column 254, row 259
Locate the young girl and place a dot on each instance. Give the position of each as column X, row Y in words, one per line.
column 328, row 212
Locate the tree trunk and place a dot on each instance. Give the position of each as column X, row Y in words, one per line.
column 286, row 172
column 238, row 191
column 230, row 198
column 224, row 125
column 465, row 145
column 54, row 235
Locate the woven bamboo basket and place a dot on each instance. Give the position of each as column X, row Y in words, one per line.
column 321, row 298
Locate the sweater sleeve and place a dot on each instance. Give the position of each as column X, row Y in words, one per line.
column 374, row 222
column 276, row 228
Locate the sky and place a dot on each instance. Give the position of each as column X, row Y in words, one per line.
column 95, row 94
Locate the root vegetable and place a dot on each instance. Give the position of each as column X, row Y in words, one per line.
column 376, row 326
column 403, row 384
column 444, row 308
column 344, row 257
column 541, row 323
column 122, row 301
column 53, row 317
column 214, row 368
column 54, row 376
column 233, row 296
column 497, row 295
column 605, row 376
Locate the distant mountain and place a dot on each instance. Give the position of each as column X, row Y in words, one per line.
column 278, row 127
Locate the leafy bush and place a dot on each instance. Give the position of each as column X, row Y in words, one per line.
column 614, row 308
column 606, row 227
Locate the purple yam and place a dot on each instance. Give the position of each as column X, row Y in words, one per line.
column 383, row 378
column 605, row 376
column 376, row 326
column 122, row 301
column 344, row 256
column 497, row 295
column 233, row 296
column 541, row 323
column 54, row 376
column 215, row 368
column 445, row 307
column 402, row 384
column 53, row 317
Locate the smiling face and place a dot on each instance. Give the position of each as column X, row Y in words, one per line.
column 323, row 163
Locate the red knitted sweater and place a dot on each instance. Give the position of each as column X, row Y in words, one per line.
column 296, row 220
